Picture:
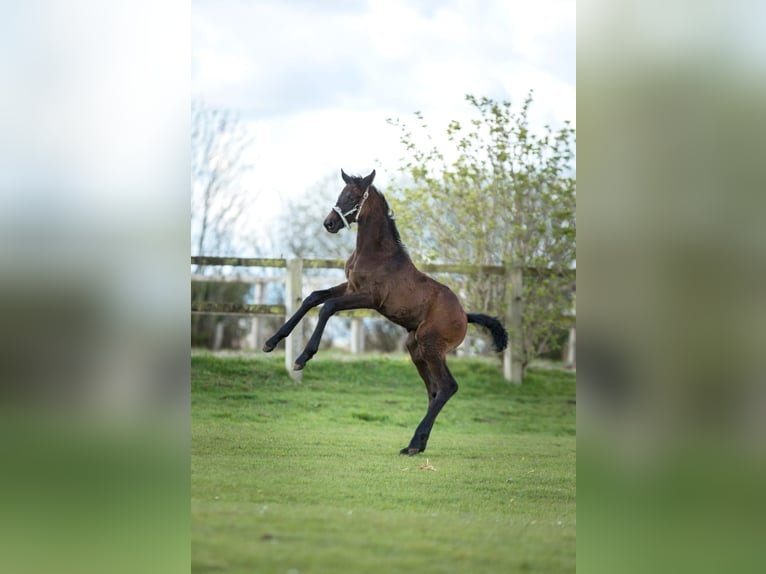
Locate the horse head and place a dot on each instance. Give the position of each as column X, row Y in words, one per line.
column 349, row 203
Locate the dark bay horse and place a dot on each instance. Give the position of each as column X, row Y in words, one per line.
column 380, row 275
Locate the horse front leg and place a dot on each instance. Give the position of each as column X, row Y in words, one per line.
column 331, row 306
column 316, row 298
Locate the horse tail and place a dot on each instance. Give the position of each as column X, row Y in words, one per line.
column 499, row 334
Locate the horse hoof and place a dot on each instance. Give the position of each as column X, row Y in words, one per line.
column 267, row 348
column 410, row 451
column 301, row 361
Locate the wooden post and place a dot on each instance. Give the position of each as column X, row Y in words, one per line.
column 218, row 336
column 570, row 357
column 512, row 364
column 293, row 299
column 255, row 320
column 357, row 335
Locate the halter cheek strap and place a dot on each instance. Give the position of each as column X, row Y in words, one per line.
column 356, row 208
column 342, row 215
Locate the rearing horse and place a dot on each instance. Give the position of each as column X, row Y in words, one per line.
column 380, row 275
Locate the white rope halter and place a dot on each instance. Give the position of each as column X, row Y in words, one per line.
column 356, row 208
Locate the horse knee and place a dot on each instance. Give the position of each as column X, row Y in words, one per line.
column 327, row 311
column 314, row 298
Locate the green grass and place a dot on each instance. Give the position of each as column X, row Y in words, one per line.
column 306, row 477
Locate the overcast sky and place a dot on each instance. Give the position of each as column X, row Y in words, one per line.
column 315, row 81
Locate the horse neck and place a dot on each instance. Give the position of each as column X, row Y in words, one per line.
column 374, row 233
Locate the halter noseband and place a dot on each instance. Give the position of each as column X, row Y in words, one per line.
column 356, row 208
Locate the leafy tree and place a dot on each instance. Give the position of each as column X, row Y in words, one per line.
column 500, row 193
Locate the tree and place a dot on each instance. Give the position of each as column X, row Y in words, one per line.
column 301, row 232
column 218, row 142
column 501, row 194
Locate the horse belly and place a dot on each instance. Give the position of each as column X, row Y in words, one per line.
column 406, row 309
column 402, row 316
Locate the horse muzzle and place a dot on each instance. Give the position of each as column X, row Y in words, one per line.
column 332, row 223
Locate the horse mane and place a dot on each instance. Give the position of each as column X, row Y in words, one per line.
column 387, row 210
column 390, row 218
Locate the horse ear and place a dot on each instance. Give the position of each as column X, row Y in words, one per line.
column 367, row 181
column 345, row 177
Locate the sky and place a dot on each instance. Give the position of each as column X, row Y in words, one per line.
column 315, row 82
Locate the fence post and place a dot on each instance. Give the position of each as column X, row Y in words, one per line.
column 293, row 299
column 218, row 334
column 570, row 359
column 357, row 335
column 255, row 320
column 512, row 364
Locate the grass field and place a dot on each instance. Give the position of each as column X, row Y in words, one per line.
column 305, row 477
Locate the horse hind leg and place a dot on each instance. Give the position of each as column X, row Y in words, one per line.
column 421, row 365
column 441, row 386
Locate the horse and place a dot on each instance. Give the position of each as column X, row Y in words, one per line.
column 380, row 275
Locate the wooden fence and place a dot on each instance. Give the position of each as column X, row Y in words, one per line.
column 293, row 281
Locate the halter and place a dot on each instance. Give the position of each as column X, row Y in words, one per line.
column 356, row 208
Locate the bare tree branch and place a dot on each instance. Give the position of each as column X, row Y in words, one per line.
column 218, row 145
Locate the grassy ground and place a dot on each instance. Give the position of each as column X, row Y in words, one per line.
column 306, row 477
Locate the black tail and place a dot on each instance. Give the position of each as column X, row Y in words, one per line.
column 499, row 334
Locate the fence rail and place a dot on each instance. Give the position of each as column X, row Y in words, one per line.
column 229, row 308
column 340, row 264
column 512, row 367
